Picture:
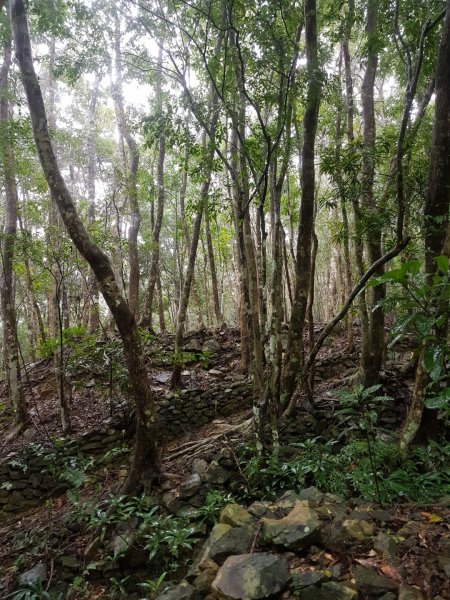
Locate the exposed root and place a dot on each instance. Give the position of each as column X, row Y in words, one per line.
column 194, row 448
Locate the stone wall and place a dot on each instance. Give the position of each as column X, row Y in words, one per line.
column 29, row 477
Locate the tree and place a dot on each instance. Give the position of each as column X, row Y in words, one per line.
column 145, row 446
column 10, row 343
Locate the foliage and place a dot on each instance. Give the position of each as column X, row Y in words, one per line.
column 34, row 591
column 420, row 302
column 348, row 471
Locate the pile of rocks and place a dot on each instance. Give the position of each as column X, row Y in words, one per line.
column 258, row 552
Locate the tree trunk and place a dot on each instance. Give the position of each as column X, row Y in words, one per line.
column 212, row 268
column 152, row 280
column 10, row 344
column 420, row 420
column 306, row 220
column 372, row 351
column 145, row 447
column 92, row 286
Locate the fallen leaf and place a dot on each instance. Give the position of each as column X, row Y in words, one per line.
column 390, row 572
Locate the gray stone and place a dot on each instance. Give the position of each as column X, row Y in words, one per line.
column 357, row 529
column 251, row 577
column 226, row 540
column 369, row 581
column 191, row 486
column 183, row 591
column 295, row 531
column 385, row 544
column 307, row 578
column 312, row 495
column 211, row 345
column 216, row 474
column 37, row 573
column 336, row 591
column 408, row 592
column 235, row 515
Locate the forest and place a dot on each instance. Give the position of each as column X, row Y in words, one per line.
column 224, row 299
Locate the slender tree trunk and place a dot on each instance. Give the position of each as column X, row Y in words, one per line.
column 152, row 280
column 129, row 174
column 8, row 309
column 358, row 243
column 303, row 268
column 92, row 285
column 372, row 351
column 145, row 448
column 212, row 268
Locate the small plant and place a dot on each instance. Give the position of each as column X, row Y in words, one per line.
column 154, row 587
column 118, row 587
column 214, row 502
column 34, row 591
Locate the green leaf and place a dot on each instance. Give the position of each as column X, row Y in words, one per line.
column 442, row 263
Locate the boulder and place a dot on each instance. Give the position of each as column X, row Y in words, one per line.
column 183, row 591
column 408, row 592
column 37, row 573
column 357, row 529
column 369, row 581
column 191, row 486
column 385, row 545
column 337, row 591
column 251, row 577
column 199, row 467
column 235, row 515
column 216, row 474
column 226, row 540
column 312, row 495
column 295, row 531
column 211, row 345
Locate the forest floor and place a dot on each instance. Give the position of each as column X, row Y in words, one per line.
column 44, row 534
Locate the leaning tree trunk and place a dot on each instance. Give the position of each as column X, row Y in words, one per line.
column 92, row 300
column 10, row 344
column 145, row 447
column 306, row 222
column 422, row 421
column 372, row 350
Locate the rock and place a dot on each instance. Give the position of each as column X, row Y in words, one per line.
column 171, row 501
column 295, row 531
column 37, row 573
column 203, row 576
column 251, row 577
column 369, row 581
column 216, row 373
column 69, row 562
column 305, row 579
column 408, row 592
column 193, row 346
column 312, row 495
column 336, row 591
column 235, row 515
column 199, row 467
column 259, row 509
column 216, row 474
column 444, row 561
column 183, row 591
column 211, row 345
column 163, row 377
column 385, row 544
column 191, row 486
column 287, row 501
column 358, row 529
column 226, row 540
column 390, row 596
